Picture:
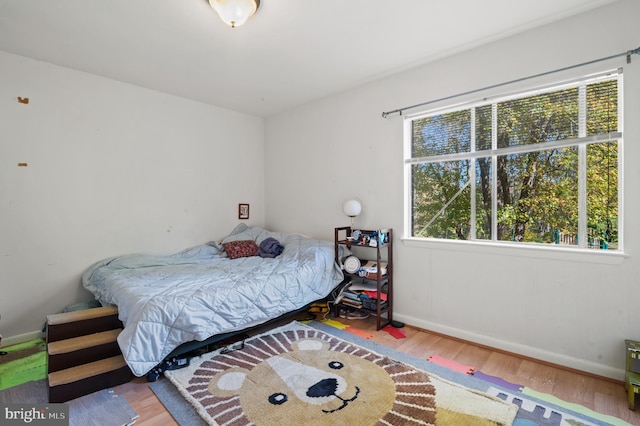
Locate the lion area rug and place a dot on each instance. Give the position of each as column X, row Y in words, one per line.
column 299, row 375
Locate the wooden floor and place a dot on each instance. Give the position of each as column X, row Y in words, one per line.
column 601, row 395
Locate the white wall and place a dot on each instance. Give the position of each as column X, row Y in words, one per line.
column 111, row 169
column 569, row 309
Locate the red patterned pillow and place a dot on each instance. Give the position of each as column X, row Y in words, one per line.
column 242, row 248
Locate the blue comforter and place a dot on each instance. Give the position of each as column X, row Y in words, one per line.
column 165, row 301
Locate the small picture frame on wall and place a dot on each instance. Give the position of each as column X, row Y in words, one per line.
column 243, row 211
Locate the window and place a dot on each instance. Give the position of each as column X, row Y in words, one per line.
column 533, row 168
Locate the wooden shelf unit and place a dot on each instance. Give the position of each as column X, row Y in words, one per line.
column 381, row 252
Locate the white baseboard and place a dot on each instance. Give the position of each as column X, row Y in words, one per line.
column 21, row 338
column 515, row 348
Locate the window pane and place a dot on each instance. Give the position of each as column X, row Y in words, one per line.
column 602, row 107
column 528, row 193
column 441, row 200
column 483, row 128
column 538, row 197
column 602, row 198
column 537, row 119
column 442, row 134
column 483, row 198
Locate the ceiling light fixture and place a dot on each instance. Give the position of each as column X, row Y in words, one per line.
column 235, row 12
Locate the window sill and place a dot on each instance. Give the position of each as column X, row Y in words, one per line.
column 521, row 250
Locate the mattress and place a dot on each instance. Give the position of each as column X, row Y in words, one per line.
column 168, row 300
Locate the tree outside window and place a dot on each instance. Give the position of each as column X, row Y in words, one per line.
column 535, row 168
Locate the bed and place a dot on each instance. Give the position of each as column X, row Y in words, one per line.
column 167, row 301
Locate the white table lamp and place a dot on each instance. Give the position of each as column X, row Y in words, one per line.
column 352, row 208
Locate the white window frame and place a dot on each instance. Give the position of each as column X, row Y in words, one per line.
column 581, row 142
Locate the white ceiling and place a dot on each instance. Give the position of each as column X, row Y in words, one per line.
column 290, row 53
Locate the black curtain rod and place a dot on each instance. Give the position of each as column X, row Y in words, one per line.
column 628, row 54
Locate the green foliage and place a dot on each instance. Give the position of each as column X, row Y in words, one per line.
column 537, row 191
